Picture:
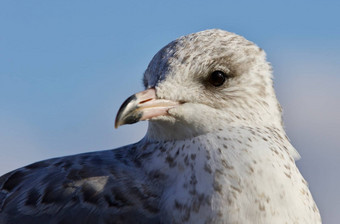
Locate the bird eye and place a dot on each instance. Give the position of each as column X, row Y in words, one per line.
column 217, row 78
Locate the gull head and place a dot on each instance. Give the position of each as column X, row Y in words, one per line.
column 201, row 83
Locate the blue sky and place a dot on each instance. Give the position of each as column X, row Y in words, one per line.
column 66, row 66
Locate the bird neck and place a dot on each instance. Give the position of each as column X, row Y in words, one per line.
column 203, row 172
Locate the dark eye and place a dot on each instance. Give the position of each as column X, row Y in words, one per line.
column 217, row 78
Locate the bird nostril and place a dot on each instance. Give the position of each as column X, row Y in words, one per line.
column 144, row 101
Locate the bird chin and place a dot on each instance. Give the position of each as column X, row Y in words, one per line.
column 185, row 121
column 168, row 128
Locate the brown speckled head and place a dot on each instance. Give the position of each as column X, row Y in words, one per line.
column 182, row 72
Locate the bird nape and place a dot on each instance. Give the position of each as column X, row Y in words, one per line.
column 215, row 150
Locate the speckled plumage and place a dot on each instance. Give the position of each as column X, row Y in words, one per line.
column 220, row 156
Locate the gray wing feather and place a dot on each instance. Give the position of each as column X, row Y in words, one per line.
column 98, row 187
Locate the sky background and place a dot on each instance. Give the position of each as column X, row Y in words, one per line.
column 66, row 66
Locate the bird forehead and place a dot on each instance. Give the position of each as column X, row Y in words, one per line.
column 197, row 50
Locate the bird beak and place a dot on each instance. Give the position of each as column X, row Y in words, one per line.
column 142, row 106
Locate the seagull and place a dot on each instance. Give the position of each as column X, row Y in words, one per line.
column 215, row 150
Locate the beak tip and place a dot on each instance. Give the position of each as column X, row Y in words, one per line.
column 131, row 111
column 117, row 123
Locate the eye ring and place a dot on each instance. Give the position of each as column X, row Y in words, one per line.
column 217, row 78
